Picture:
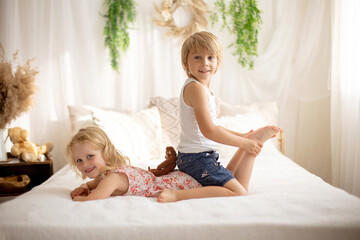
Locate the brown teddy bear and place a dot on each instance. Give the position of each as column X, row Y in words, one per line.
column 168, row 165
column 25, row 150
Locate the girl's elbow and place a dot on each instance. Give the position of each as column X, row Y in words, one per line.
column 208, row 132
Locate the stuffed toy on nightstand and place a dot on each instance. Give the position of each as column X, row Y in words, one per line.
column 26, row 150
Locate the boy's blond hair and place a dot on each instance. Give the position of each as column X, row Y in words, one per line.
column 201, row 41
column 99, row 140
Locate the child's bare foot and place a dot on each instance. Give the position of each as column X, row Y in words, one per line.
column 264, row 133
column 167, row 195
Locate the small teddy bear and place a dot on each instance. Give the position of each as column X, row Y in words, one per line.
column 168, row 165
column 26, row 150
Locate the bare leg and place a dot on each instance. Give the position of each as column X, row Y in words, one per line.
column 235, row 187
column 260, row 134
column 265, row 133
column 235, row 160
column 246, row 163
column 231, row 188
column 244, row 170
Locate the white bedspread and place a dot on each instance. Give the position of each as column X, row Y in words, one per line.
column 285, row 202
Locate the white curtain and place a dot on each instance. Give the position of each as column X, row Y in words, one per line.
column 345, row 96
column 66, row 39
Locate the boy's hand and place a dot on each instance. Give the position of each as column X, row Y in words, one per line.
column 253, row 147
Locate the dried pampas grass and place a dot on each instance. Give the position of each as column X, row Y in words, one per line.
column 16, row 88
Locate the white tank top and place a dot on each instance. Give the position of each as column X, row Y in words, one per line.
column 191, row 138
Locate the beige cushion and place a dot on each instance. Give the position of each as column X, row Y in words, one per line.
column 169, row 114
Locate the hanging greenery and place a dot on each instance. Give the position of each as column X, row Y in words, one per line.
column 244, row 23
column 120, row 15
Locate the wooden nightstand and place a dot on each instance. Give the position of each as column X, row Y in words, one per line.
column 38, row 172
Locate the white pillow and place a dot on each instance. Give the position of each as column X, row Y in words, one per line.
column 268, row 110
column 136, row 134
column 80, row 117
column 170, row 120
column 169, row 113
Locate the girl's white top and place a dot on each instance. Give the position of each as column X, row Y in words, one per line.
column 191, row 138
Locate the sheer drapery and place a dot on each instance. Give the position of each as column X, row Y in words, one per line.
column 345, row 96
column 66, row 39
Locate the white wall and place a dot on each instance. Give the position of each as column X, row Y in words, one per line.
column 307, row 135
column 72, row 68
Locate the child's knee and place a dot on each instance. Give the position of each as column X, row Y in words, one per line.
column 241, row 191
column 236, row 188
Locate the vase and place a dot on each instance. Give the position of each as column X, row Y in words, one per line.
column 3, row 154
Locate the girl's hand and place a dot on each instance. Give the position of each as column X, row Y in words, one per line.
column 83, row 190
column 253, row 147
column 79, row 198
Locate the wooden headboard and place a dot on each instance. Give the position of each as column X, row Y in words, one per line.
column 281, row 141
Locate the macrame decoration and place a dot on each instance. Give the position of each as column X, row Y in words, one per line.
column 165, row 18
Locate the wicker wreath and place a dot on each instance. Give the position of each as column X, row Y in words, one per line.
column 165, row 17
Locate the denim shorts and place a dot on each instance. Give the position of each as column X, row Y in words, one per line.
column 204, row 167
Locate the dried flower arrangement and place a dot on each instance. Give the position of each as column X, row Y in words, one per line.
column 165, row 17
column 16, row 88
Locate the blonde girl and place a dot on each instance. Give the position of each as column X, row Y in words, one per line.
column 91, row 154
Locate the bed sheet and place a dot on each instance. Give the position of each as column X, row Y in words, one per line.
column 285, row 202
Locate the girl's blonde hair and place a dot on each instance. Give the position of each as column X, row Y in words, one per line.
column 98, row 139
column 201, row 41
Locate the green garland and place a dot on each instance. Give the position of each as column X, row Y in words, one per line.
column 246, row 21
column 121, row 14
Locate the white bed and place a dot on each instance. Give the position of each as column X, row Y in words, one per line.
column 285, row 201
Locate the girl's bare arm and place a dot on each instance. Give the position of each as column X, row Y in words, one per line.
column 107, row 186
column 93, row 183
column 85, row 188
